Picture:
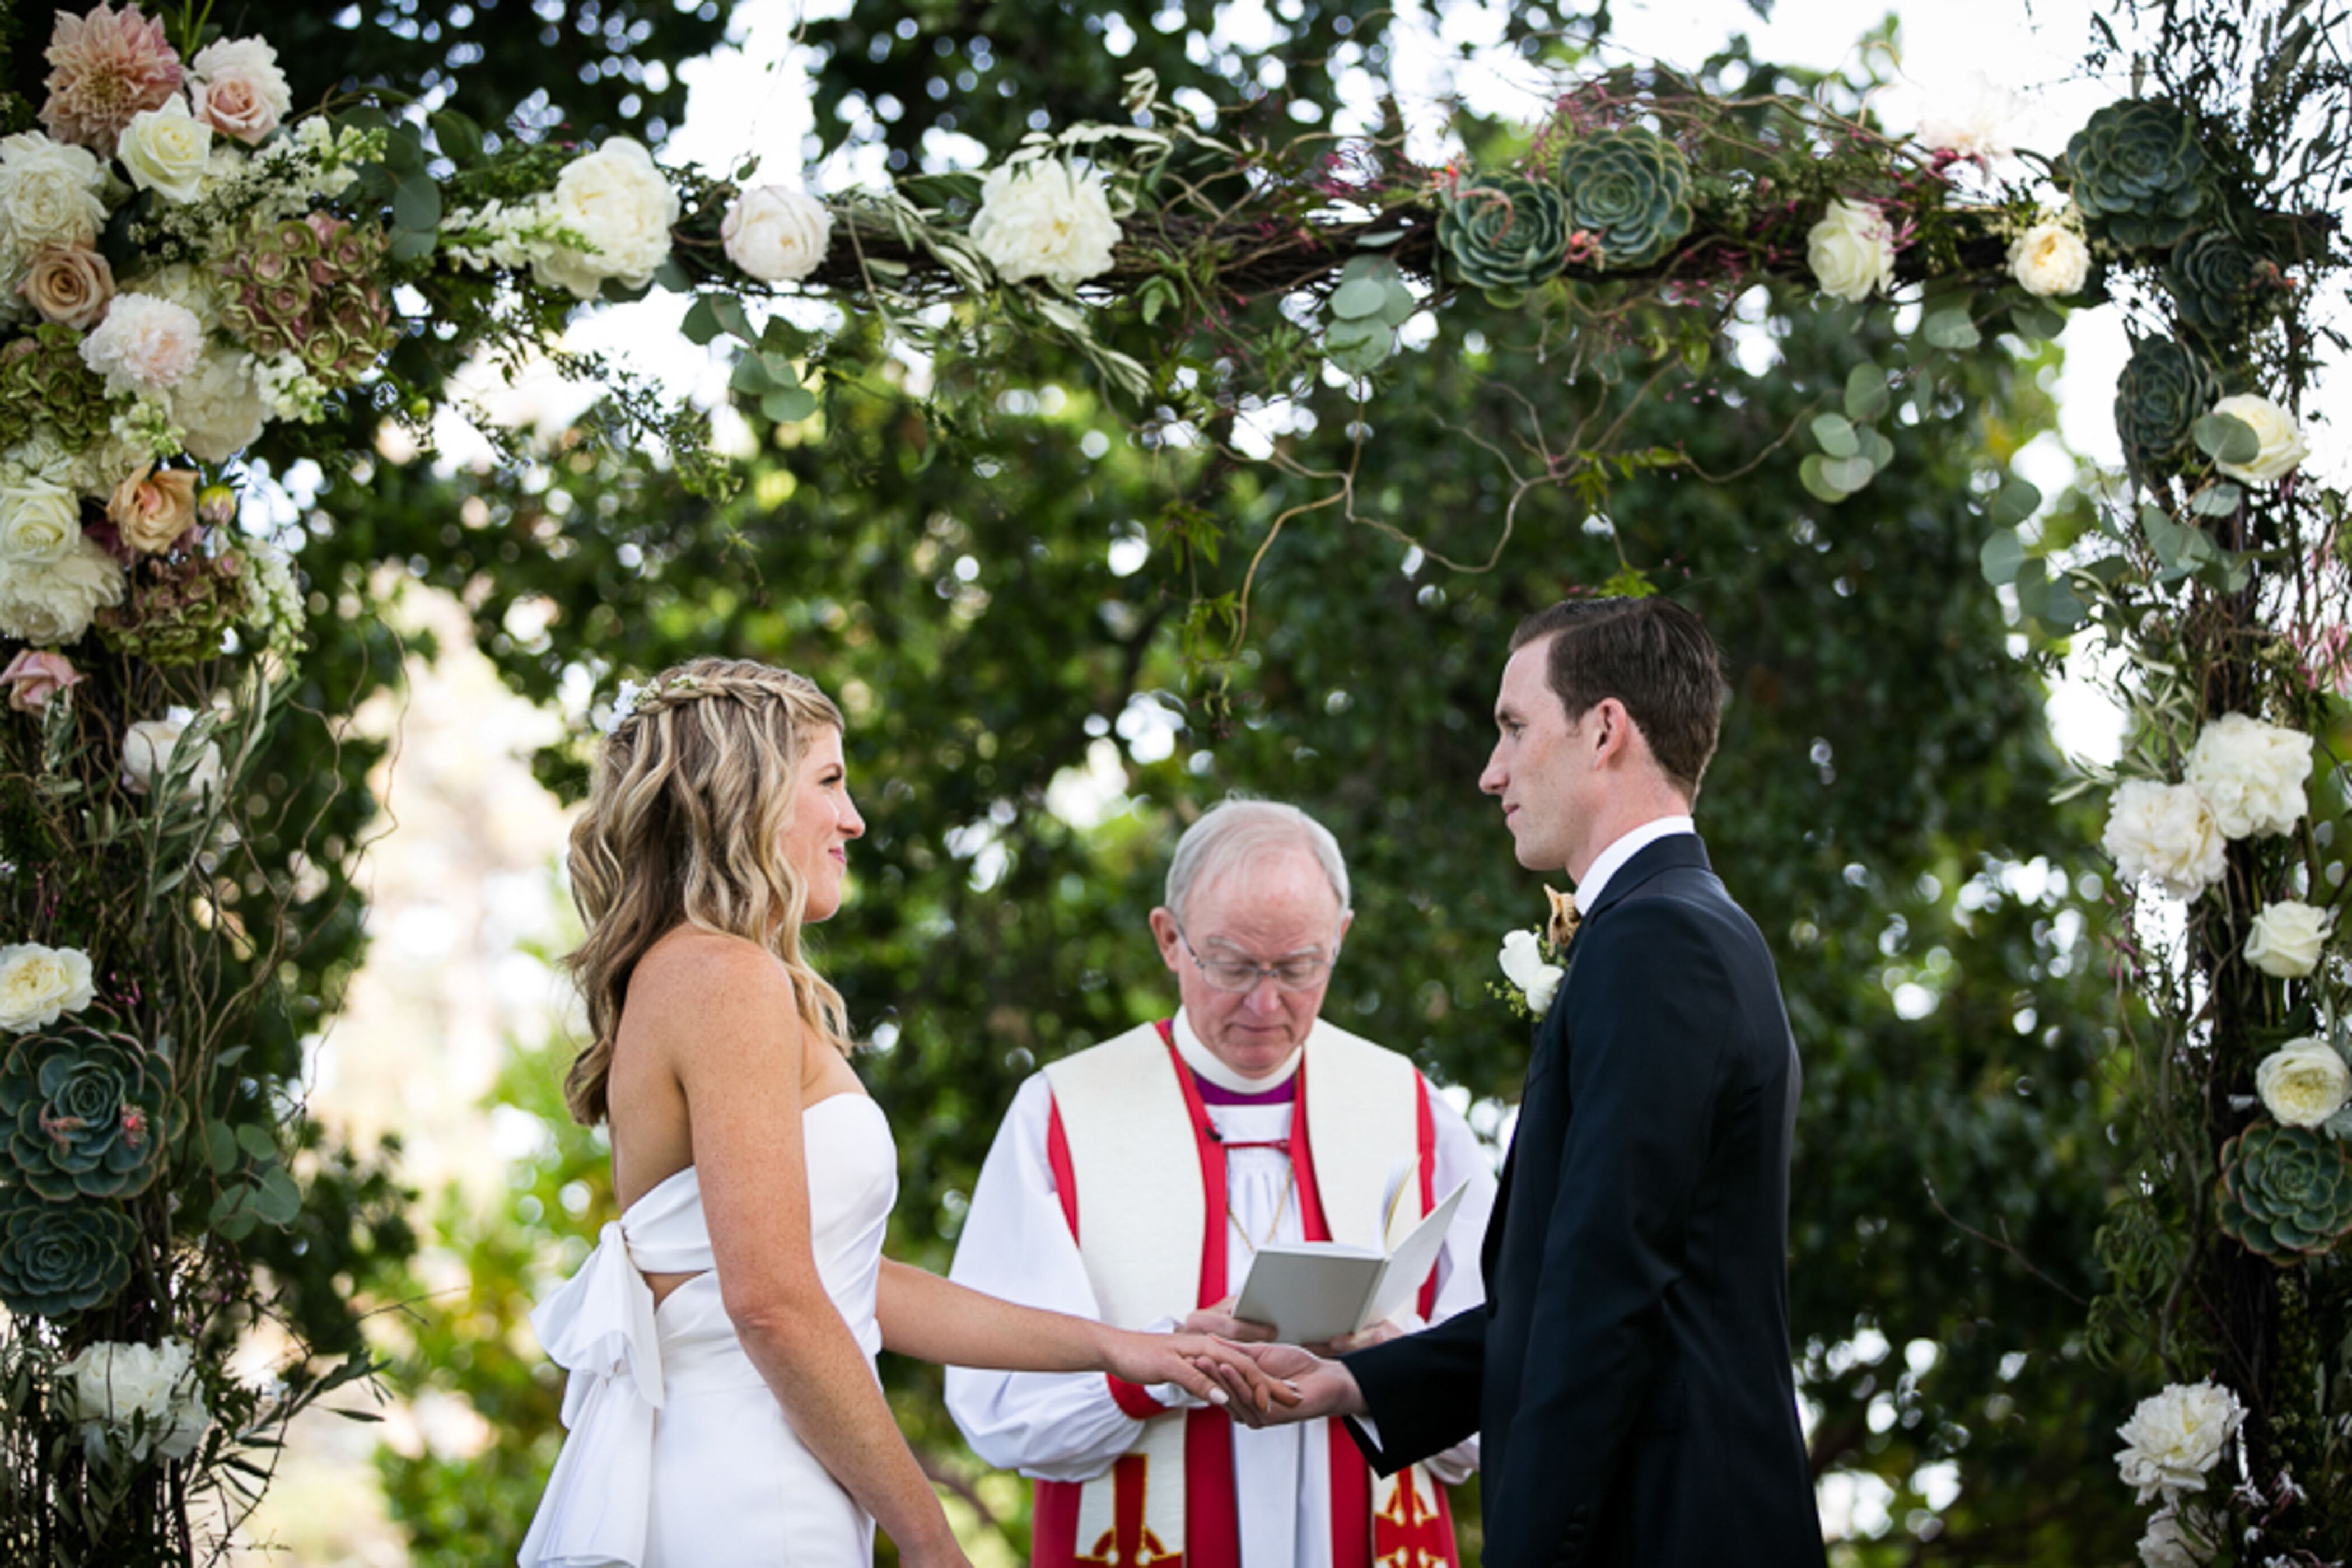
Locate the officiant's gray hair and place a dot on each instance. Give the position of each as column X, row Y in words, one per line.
column 1233, row 833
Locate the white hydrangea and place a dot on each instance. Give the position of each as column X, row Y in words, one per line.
column 619, row 206
column 2251, row 774
column 145, row 344
column 2176, row 1437
column 53, row 605
column 2164, row 833
column 1045, row 218
column 137, row 1400
column 216, row 406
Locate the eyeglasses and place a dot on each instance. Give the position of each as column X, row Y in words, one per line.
column 1237, row 975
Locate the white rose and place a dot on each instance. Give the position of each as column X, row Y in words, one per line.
column 2286, row 939
column 1045, row 219
column 38, row 984
column 52, row 606
column 2176, row 1437
column 2304, row 1082
column 39, row 522
column 1852, row 250
column 145, row 344
column 239, row 92
column 49, row 193
column 616, row 200
column 2180, row 1537
column 777, row 234
column 2283, row 444
column 1523, row 963
column 2251, row 775
column 167, row 151
column 147, row 749
column 2049, row 260
column 216, row 406
column 2164, row 833
column 143, row 1398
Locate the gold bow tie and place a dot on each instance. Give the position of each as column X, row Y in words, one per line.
column 1561, row 931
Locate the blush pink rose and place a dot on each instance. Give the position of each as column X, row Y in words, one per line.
column 33, row 678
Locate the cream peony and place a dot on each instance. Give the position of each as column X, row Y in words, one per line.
column 2304, row 1082
column 2176, row 1437
column 1852, row 250
column 619, row 203
column 2164, row 833
column 148, row 748
column 40, row 984
column 39, row 522
column 145, row 344
column 50, row 606
column 1045, row 219
column 2049, row 260
column 1523, row 963
column 67, row 285
column 777, row 234
column 134, row 1400
column 2283, row 444
column 2251, row 775
column 167, row 151
column 151, row 510
column 2286, row 939
column 50, row 193
column 239, row 90
column 218, row 408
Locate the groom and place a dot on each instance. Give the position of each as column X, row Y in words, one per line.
column 1629, row 1371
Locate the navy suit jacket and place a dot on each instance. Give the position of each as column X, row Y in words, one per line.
column 1629, row 1373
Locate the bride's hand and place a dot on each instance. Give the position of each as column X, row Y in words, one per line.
column 1195, row 1362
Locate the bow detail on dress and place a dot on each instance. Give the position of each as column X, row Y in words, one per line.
column 600, row 1328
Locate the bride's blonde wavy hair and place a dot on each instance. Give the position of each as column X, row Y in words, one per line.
column 684, row 825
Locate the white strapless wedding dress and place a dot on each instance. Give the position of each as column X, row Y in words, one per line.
column 677, row 1456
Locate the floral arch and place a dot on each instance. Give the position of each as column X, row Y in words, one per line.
column 195, row 274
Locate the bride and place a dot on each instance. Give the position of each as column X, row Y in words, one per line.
column 722, row 1404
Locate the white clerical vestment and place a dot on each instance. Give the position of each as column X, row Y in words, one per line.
column 1017, row 1243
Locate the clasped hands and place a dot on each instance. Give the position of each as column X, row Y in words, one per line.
column 1306, row 1384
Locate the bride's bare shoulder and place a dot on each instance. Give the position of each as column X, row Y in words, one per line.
column 691, row 977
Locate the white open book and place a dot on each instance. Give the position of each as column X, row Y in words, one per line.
column 1316, row 1291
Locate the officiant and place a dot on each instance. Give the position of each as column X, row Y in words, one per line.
column 1135, row 1181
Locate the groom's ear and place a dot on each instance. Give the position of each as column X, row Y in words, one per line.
column 1613, row 736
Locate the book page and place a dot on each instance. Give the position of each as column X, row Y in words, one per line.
column 1410, row 1264
column 1309, row 1290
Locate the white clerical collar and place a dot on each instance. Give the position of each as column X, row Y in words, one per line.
column 1201, row 1060
column 1611, row 860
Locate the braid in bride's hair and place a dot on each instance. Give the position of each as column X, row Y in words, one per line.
column 684, row 825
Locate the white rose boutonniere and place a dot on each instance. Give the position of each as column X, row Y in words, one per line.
column 2251, row 775
column 620, row 202
column 2164, row 833
column 1045, row 219
column 2286, row 939
column 1852, row 250
column 2284, row 447
column 2176, row 1437
column 777, row 234
column 40, row 984
column 134, row 1400
column 2304, row 1082
column 167, row 151
column 1523, row 964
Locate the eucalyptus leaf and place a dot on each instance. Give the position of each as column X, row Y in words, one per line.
column 1362, row 296
column 1812, row 473
column 788, row 405
column 1386, row 237
column 220, row 1148
column 412, row 244
column 728, row 312
column 2061, row 609
column 2037, row 322
column 1866, row 394
column 1951, row 329
column 1849, row 473
column 750, row 377
column 1400, row 305
column 460, row 138
column 256, row 1141
column 277, row 1199
column 1835, row 433
column 2016, row 501
column 700, row 324
column 1877, row 449
column 2226, row 438
column 416, row 203
column 2216, row 500
column 2001, row 556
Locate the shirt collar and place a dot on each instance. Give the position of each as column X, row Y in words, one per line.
column 1203, row 1062
column 1611, row 860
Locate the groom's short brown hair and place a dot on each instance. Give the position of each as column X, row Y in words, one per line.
column 1652, row 655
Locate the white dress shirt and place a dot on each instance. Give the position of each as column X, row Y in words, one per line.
column 1611, row 860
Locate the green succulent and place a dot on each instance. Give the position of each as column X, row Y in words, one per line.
column 2210, row 275
column 85, row 1111
column 307, row 287
column 1629, row 190
column 43, row 381
column 177, row 612
column 57, row 1259
column 2286, row 1192
column 2163, row 390
column 1506, row 233
column 2137, row 171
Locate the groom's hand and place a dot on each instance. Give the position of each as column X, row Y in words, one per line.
column 1323, row 1387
